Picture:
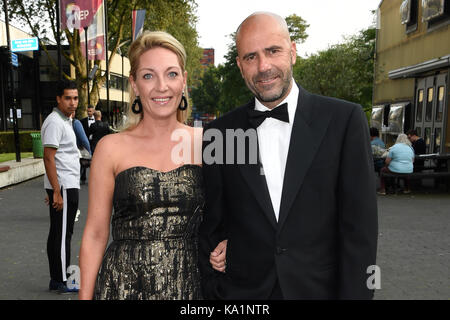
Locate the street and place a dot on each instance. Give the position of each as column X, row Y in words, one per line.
column 413, row 245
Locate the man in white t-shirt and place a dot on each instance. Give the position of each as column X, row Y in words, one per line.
column 62, row 182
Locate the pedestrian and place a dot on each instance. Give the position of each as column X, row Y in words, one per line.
column 399, row 160
column 158, row 203
column 378, row 148
column 61, row 182
column 301, row 221
column 87, row 122
column 98, row 129
column 419, row 146
column 82, row 139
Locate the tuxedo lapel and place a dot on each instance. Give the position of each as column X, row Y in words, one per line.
column 253, row 175
column 307, row 133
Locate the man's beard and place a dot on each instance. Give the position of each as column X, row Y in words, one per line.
column 271, row 97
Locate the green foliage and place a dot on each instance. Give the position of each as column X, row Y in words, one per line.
column 207, row 96
column 177, row 17
column 297, row 28
column 7, row 143
column 12, row 156
column 343, row 71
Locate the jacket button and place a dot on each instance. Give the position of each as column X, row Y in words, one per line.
column 281, row 250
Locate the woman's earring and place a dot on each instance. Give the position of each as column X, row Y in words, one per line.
column 183, row 103
column 137, row 102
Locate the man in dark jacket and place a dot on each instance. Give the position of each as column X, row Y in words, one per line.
column 86, row 122
column 98, row 130
column 419, row 147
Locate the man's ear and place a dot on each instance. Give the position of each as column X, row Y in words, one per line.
column 294, row 52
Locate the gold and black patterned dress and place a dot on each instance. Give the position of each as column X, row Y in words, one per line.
column 153, row 255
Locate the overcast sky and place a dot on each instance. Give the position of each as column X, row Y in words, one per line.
column 329, row 20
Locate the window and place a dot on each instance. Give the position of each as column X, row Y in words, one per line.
column 408, row 14
column 440, row 104
column 437, row 140
column 429, row 107
column 436, row 12
column 419, row 106
column 427, row 138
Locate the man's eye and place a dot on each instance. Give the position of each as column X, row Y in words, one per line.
column 147, row 76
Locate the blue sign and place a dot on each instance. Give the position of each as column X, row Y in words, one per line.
column 30, row 44
column 14, row 60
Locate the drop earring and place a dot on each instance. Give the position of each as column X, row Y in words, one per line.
column 137, row 102
column 183, row 103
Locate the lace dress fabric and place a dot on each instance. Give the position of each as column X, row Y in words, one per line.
column 153, row 255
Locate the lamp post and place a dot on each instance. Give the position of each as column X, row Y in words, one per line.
column 11, row 81
column 87, row 64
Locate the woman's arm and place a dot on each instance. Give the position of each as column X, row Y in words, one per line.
column 96, row 231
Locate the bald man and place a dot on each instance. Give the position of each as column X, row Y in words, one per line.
column 301, row 221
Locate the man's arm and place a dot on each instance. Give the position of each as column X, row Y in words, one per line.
column 358, row 222
column 50, row 169
column 211, row 229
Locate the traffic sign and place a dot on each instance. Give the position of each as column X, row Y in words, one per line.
column 14, row 59
column 29, row 44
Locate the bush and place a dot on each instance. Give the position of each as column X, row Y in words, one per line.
column 7, row 144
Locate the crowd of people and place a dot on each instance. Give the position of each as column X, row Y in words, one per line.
column 295, row 224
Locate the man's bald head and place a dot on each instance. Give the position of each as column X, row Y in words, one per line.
column 264, row 17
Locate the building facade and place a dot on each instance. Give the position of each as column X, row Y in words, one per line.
column 207, row 58
column 412, row 71
column 35, row 80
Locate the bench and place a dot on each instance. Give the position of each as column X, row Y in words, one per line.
column 418, row 176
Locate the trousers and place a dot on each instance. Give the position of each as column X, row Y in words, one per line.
column 60, row 233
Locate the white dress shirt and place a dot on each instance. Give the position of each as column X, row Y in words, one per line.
column 90, row 121
column 274, row 137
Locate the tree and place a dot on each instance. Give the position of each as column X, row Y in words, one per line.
column 297, row 28
column 176, row 17
column 343, row 71
column 208, row 94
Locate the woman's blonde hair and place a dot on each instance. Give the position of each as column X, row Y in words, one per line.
column 146, row 41
column 403, row 138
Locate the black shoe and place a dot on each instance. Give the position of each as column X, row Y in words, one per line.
column 54, row 285
column 60, row 287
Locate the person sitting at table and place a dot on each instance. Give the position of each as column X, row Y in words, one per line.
column 399, row 160
column 378, row 148
column 419, row 147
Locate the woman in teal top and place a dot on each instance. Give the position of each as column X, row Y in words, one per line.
column 399, row 160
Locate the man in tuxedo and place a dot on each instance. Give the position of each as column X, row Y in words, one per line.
column 86, row 122
column 89, row 120
column 301, row 221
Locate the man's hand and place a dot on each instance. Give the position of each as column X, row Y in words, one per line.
column 57, row 201
column 217, row 257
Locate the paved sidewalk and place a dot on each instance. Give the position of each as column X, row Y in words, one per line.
column 413, row 246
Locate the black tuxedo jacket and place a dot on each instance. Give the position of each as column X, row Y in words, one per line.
column 326, row 236
column 85, row 124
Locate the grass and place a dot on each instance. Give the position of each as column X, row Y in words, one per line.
column 12, row 156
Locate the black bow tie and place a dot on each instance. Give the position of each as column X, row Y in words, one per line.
column 257, row 117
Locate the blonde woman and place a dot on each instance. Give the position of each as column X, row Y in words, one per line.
column 157, row 201
column 399, row 160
